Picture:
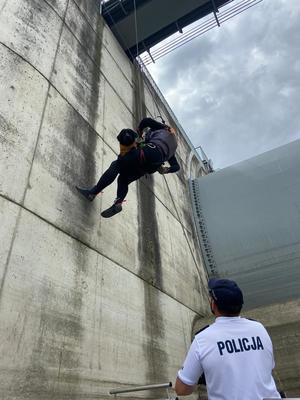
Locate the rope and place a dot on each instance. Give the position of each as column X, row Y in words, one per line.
column 136, row 29
column 119, row 33
column 136, row 60
column 179, row 219
column 170, row 193
column 140, row 66
column 149, row 86
column 107, row 11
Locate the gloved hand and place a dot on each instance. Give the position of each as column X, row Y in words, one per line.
column 163, row 170
column 139, row 140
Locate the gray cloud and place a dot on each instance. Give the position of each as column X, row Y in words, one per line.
column 235, row 89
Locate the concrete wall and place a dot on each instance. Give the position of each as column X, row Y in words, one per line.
column 283, row 324
column 86, row 304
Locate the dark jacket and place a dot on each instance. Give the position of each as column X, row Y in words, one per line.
column 160, row 135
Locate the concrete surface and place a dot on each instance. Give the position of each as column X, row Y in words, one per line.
column 86, row 304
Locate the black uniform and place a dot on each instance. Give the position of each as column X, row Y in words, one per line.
column 146, row 158
column 137, row 162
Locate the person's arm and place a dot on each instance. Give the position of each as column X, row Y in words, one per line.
column 150, row 123
column 182, row 389
column 189, row 374
column 174, row 166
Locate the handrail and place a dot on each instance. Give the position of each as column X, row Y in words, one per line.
column 140, row 388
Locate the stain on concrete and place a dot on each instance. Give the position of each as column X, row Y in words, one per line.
column 9, row 134
column 32, row 17
column 89, row 8
column 55, row 358
column 197, row 324
column 77, row 17
column 150, row 261
column 148, row 246
column 83, row 139
column 81, row 170
column 154, row 347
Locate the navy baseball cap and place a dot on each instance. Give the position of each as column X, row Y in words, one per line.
column 225, row 292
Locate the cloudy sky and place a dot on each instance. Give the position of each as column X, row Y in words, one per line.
column 236, row 89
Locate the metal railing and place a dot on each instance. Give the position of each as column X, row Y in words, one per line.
column 140, row 388
column 190, row 33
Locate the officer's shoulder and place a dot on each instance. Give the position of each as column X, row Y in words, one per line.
column 201, row 330
column 254, row 321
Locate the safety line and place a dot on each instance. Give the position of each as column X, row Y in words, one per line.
column 136, row 29
column 136, row 60
column 158, row 109
column 179, row 219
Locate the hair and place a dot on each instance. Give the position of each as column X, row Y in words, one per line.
column 231, row 310
column 127, row 137
column 171, row 130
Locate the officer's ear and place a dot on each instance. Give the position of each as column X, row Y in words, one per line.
column 212, row 305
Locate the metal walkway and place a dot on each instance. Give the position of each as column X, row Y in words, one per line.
column 140, row 24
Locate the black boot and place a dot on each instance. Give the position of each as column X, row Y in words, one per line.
column 111, row 211
column 86, row 193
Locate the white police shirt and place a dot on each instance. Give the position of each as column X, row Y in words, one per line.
column 236, row 356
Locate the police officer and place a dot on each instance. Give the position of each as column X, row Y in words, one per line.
column 235, row 354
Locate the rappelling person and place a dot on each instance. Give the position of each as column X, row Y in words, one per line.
column 127, row 139
column 137, row 159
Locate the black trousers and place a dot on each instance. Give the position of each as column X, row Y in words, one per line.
column 107, row 178
column 130, row 167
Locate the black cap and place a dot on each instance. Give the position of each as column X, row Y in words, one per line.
column 225, row 292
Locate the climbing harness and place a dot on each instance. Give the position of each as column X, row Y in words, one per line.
column 162, row 120
column 151, row 145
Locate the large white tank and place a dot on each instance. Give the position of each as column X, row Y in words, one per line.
column 248, row 220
